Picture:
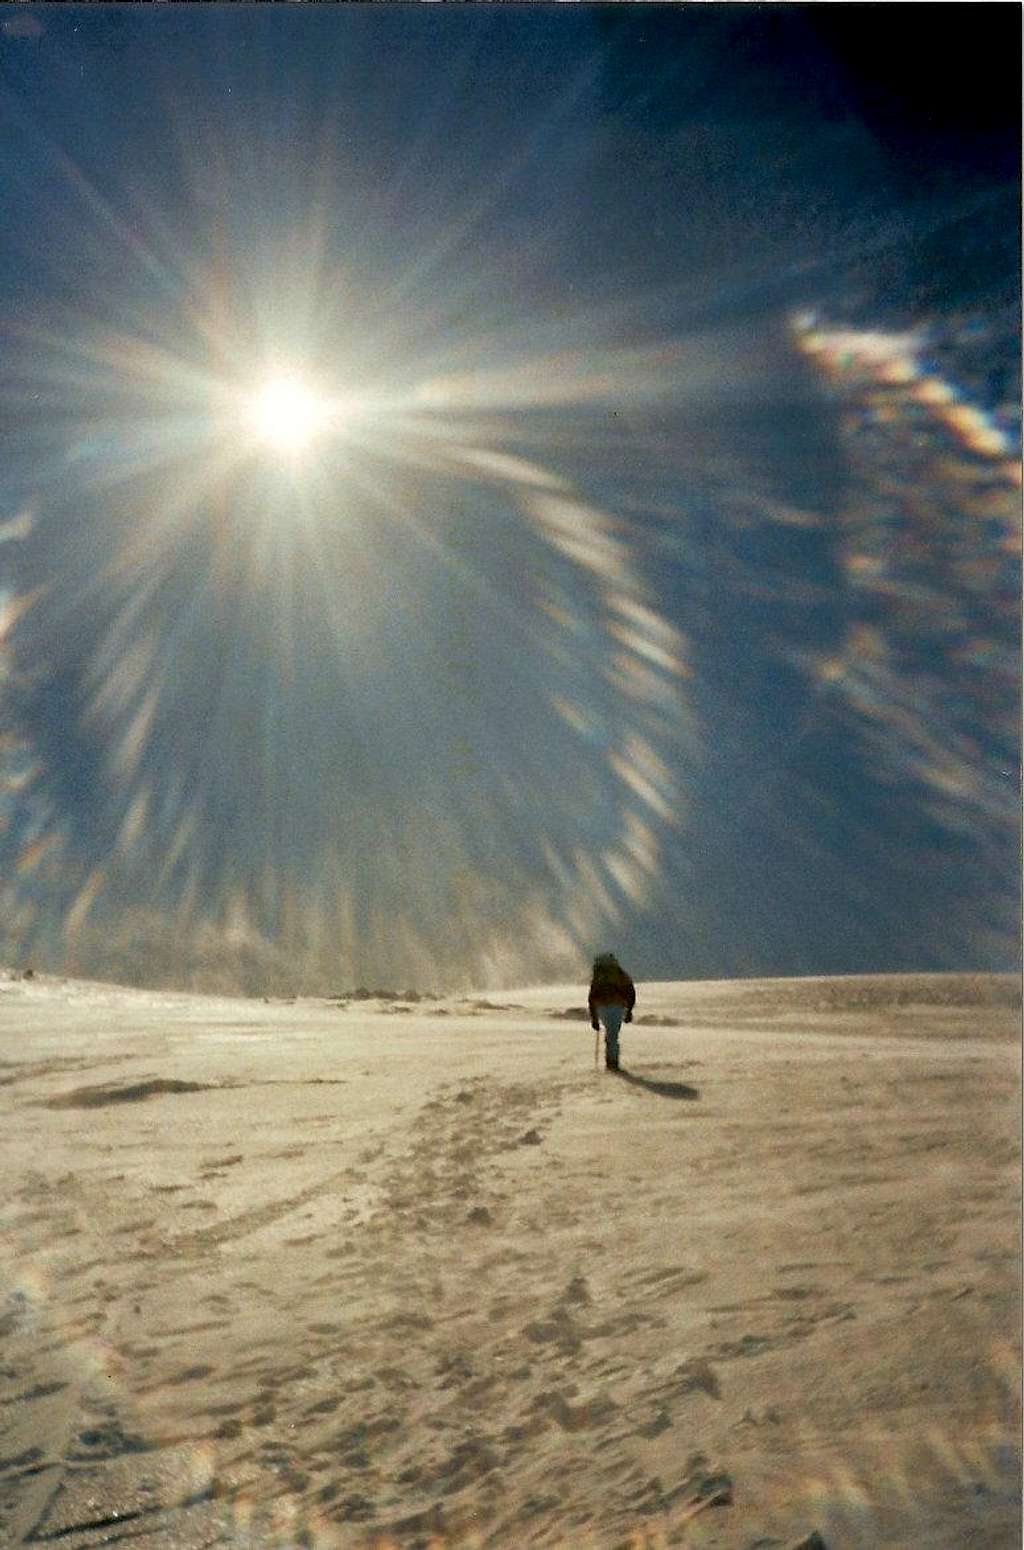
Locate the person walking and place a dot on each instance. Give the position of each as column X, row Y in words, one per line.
column 611, row 1002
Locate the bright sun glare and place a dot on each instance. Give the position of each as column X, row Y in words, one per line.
column 286, row 414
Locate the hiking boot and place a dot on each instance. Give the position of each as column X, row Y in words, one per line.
column 611, row 1062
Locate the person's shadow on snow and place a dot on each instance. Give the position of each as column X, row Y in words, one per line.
column 663, row 1089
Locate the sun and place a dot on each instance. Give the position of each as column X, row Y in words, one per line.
column 286, row 414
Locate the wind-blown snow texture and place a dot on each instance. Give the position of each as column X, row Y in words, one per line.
column 343, row 1273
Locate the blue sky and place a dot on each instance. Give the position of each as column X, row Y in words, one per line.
column 654, row 584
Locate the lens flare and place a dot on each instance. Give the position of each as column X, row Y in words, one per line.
column 295, row 695
column 359, row 621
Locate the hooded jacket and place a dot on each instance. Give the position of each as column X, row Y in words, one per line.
column 610, row 986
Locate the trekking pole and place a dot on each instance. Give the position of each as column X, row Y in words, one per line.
column 597, row 1048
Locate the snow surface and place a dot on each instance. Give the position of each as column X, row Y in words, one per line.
column 357, row 1272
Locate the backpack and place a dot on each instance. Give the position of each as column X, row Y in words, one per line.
column 609, row 973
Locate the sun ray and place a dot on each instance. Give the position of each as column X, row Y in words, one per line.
column 331, row 519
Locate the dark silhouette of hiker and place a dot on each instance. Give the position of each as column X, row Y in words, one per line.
column 611, row 1002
